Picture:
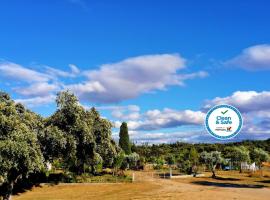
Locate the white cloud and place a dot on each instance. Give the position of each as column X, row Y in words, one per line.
column 111, row 83
column 20, row 73
column 60, row 73
column 125, row 116
column 253, row 58
column 124, row 113
column 245, row 101
column 156, row 119
column 37, row 101
column 74, row 69
column 88, row 87
column 190, row 136
column 180, row 124
column 37, row 89
column 132, row 77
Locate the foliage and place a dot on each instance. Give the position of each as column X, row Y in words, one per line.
column 53, row 142
column 20, row 153
column 80, row 141
column 193, row 156
column 151, row 152
column 118, row 160
column 87, row 135
column 237, row 154
column 124, row 142
column 258, row 155
column 212, row 159
column 133, row 160
column 170, row 159
column 159, row 162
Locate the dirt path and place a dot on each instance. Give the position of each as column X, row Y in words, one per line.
column 154, row 189
column 170, row 189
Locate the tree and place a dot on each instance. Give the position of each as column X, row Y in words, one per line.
column 238, row 154
column 258, row 155
column 105, row 146
column 194, row 158
column 87, row 135
column 212, row 159
column 124, row 142
column 118, row 160
column 183, row 161
column 159, row 162
column 70, row 118
column 20, row 152
column 170, row 159
column 133, row 160
column 53, row 143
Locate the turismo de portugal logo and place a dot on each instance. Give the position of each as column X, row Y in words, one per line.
column 223, row 122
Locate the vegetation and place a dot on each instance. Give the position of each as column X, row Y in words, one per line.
column 77, row 138
column 20, row 153
column 124, row 142
column 237, row 155
column 79, row 144
column 259, row 155
column 237, row 152
column 212, row 159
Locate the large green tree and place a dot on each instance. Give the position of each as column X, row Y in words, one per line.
column 124, row 142
column 53, row 143
column 20, row 152
column 87, row 136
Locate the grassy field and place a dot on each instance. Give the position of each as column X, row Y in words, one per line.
column 228, row 185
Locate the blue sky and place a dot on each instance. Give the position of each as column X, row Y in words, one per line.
column 156, row 64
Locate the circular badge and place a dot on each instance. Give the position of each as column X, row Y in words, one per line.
column 223, row 122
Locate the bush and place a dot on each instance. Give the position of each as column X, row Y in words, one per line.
column 159, row 162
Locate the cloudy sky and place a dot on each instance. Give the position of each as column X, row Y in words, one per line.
column 159, row 65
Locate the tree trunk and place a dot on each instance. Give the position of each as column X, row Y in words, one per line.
column 8, row 192
column 213, row 171
column 213, row 174
column 240, row 167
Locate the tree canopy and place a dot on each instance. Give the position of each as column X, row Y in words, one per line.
column 124, row 142
column 20, row 153
column 86, row 135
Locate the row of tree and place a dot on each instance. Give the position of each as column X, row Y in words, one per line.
column 188, row 158
column 79, row 139
column 180, row 151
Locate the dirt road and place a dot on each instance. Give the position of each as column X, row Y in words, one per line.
column 156, row 189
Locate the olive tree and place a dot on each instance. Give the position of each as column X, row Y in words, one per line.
column 211, row 159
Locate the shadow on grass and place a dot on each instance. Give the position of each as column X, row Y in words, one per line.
column 264, row 181
column 227, row 185
column 23, row 188
column 226, row 179
column 33, row 180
